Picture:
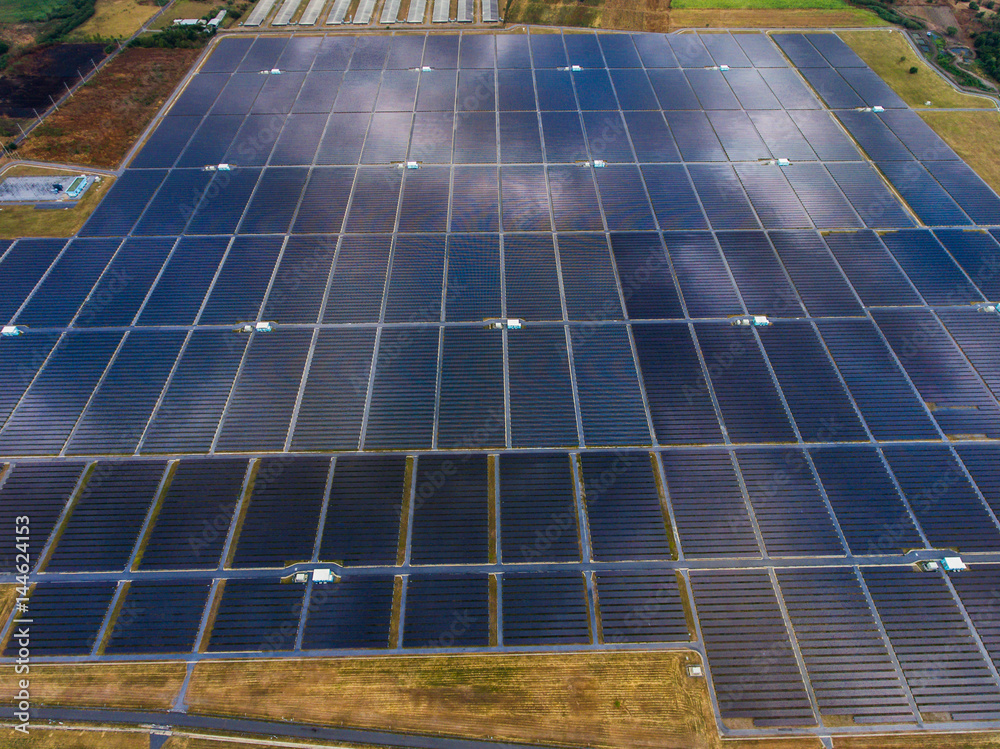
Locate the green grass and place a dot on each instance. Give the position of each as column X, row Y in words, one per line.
column 759, row 4
column 28, row 11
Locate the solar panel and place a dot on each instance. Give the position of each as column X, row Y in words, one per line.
column 943, row 499
column 274, row 364
column 737, row 367
column 194, row 399
column 69, row 617
column 524, row 198
column 351, row 614
column 611, row 405
column 473, row 283
column 158, row 617
column 542, row 410
column 50, row 407
column 402, row 400
column 415, row 283
column 279, row 524
column 45, row 488
column 55, row 300
column 300, row 280
column 545, row 608
column 538, row 513
column 471, row 408
column 654, row 50
column 625, row 515
column 931, row 270
column 358, row 280
column 333, row 400
column 446, row 611
column 830, row 615
column 22, row 267
column 679, row 400
column 884, row 396
column 758, row 273
column 127, row 394
column 787, row 504
column 238, row 290
column 870, row 510
column 256, row 615
column 475, row 198
column 818, row 279
column 192, row 520
column 959, row 687
column 818, row 401
column 111, row 507
column 873, row 273
column 641, row 607
column 702, row 275
column 122, row 288
column 363, row 513
column 742, row 625
column 451, row 515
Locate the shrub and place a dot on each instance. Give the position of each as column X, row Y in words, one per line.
column 913, row 70
column 951, row 31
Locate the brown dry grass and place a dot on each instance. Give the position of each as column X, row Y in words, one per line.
column 8, row 593
column 774, row 18
column 42, row 738
column 116, row 18
column 918, row 741
column 26, row 221
column 975, row 136
column 613, row 699
column 147, row 686
column 106, row 117
column 657, row 15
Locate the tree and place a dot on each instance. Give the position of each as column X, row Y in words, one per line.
column 951, row 31
column 913, row 69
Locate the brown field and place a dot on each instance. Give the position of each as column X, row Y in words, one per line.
column 889, row 55
column 106, row 117
column 975, row 136
column 917, row 741
column 26, row 221
column 659, row 16
column 614, row 699
column 772, row 18
column 8, row 593
column 147, row 686
column 41, row 738
column 116, row 18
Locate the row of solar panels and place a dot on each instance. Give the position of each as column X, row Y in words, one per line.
column 170, row 391
column 439, row 51
column 286, row 13
column 464, row 199
column 430, row 278
column 878, row 645
column 871, row 639
column 506, row 90
column 751, row 502
column 435, row 611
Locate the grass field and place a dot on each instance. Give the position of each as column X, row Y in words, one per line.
column 975, row 136
column 106, row 117
column 41, row 738
column 116, row 18
column 27, row 11
column 7, row 595
column 671, row 15
column 758, row 4
column 889, row 55
column 916, row 741
column 185, row 9
column 614, row 699
column 150, row 686
column 26, row 221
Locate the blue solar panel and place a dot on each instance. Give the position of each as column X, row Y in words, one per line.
column 702, row 274
column 674, row 200
column 542, row 411
column 929, row 200
column 930, row 268
column 654, row 50
column 761, row 279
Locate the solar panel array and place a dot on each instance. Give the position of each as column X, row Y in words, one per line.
column 624, row 467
